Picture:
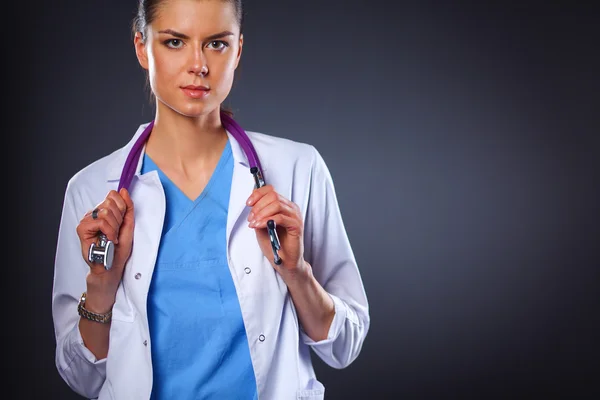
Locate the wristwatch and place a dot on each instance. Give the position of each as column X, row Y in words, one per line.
column 92, row 316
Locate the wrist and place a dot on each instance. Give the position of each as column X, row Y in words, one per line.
column 98, row 301
column 297, row 277
column 102, row 285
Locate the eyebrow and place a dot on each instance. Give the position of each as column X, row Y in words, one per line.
column 185, row 37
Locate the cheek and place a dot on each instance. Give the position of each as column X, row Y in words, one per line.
column 157, row 72
column 227, row 72
column 161, row 70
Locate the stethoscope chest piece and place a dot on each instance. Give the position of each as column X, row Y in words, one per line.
column 102, row 252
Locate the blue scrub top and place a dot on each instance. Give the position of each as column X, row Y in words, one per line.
column 198, row 340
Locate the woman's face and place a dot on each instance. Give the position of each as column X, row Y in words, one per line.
column 191, row 44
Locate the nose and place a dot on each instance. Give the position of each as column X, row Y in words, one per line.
column 199, row 66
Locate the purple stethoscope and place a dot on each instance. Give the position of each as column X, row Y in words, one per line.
column 103, row 251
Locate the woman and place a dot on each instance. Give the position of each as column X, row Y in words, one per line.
column 193, row 304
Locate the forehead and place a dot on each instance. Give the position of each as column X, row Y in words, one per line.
column 196, row 16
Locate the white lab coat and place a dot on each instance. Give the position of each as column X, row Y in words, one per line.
column 279, row 348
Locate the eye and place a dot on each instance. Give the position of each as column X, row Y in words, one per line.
column 174, row 43
column 218, row 44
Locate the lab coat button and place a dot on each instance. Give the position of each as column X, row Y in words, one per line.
column 261, row 338
column 247, row 270
column 138, row 275
column 145, row 343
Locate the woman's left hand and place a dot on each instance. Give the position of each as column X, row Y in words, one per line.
column 267, row 204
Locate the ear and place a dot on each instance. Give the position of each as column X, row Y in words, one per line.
column 140, row 50
column 239, row 54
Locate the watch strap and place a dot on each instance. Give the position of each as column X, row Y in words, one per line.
column 92, row 316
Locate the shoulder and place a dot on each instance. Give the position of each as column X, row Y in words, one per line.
column 279, row 150
column 103, row 169
column 87, row 186
column 296, row 169
column 93, row 171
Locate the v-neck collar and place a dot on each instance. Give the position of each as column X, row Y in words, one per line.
column 175, row 197
column 226, row 153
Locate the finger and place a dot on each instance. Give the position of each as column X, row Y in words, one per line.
column 257, row 194
column 273, row 208
column 126, row 232
column 290, row 223
column 114, row 219
column 110, row 204
column 264, row 201
column 120, row 202
column 105, row 223
column 124, row 194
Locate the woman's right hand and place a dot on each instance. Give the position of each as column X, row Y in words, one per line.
column 115, row 220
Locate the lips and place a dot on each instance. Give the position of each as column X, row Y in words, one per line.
column 196, row 92
column 192, row 87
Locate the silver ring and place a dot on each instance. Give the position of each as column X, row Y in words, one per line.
column 95, row 213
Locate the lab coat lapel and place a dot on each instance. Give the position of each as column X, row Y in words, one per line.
column 242, row 184
column 149, row 205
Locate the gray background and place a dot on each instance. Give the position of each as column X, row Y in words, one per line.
column 463, row 142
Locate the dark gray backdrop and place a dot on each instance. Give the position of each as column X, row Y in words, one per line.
column 463, row 142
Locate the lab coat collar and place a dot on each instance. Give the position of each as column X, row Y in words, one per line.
column 116, row 165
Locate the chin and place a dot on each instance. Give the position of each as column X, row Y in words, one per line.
column 194, row 110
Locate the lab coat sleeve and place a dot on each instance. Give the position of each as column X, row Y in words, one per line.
column 76, row 364
column 334, row 266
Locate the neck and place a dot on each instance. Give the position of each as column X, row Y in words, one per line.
column 184, row 141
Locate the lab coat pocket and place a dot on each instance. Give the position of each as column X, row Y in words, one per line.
column 314, row 391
